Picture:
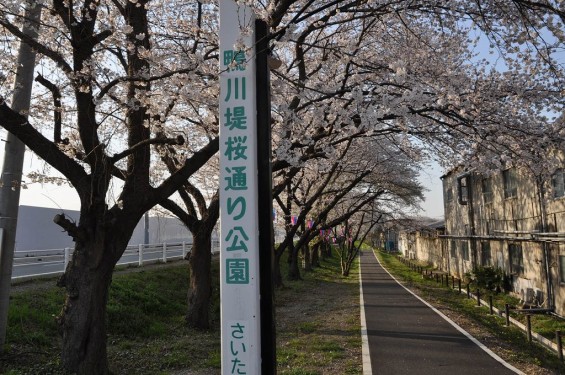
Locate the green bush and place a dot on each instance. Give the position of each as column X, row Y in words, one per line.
column 489, row 278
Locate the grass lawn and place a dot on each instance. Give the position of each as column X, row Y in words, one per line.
column 318, row 329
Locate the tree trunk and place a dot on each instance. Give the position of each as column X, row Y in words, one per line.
column 83, row 323
column 316, row 255
column 323, row 254
column 326, row 250
column 329, row 250
column 200, row 289
column 100, row 241
column 277, row 276
column 83, row 318
column 293, row 269
column 307, row 259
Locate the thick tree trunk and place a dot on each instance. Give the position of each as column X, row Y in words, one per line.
column 83, row 322
column 87, row 280
column 83, row 318
column 199, row 292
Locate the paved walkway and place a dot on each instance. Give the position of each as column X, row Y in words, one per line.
column 407, row 336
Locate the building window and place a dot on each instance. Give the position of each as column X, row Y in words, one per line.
column 463, row 189
column 486, row 185
column 558, row 184
column 516, row 259
column 486, row 256
column 465, row 250
column 453, row 249
column 562, row 268
column 510, row 183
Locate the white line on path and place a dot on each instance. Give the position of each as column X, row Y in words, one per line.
column 367, row 369
column 477, row 342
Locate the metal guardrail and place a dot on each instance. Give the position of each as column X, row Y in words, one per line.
column 139, row 255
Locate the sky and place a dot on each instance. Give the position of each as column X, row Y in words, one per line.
column 433, row 196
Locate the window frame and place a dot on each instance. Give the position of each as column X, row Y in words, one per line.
column 486, row 250
column 463, row 189
column 510, row 182
column 486, row 188
column 516, row 253
column 465, row 250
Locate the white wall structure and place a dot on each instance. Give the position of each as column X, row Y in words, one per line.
column 37, row 231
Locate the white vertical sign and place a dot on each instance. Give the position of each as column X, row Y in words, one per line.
column 239, row 253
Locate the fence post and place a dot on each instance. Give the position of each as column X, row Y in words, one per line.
column 459, row 285
column 452, row 282
column 478, row 297
column 490, row 305
column 529, row 327
column 184, row 249
column 67, row 256
column 559, row 345
column 140, row 250
column 468, row 291
column 164, row 252
column 507, row 311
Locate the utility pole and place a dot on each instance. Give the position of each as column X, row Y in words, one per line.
column 11, row 176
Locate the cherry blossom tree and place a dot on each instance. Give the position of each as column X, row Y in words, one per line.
column 199, row 213
column 366, row 173
column 136, row 84
column 121, row 82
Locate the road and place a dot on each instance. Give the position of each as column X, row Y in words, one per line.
column 406, row 336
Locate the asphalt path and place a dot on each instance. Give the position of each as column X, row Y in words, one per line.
column 407, row 336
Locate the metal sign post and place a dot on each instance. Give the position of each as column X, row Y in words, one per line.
column 265, row 176
column 239, row 249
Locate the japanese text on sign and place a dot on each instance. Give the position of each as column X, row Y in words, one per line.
column 238, row 192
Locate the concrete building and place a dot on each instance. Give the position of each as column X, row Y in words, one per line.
column 508, row 220
column 512, row 221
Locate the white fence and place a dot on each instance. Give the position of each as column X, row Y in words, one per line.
column 31, row 264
